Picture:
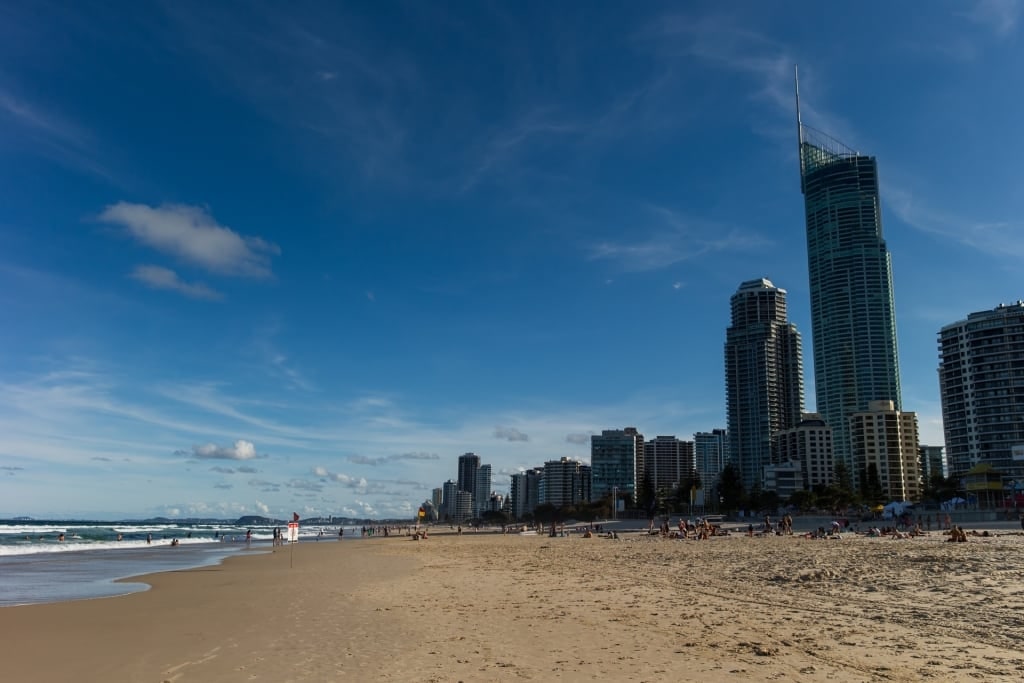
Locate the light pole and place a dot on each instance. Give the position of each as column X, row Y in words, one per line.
column 615, row 502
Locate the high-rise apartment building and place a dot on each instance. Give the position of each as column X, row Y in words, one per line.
column 763, row 376
column 884, row 441
column 668, row 461
column 932, row 461
column 524, row 492
column 852, row 314
column 449, row 499
column 482, row 490
column 810, row 444
column 981, row 381
column 565, row 482
column 711, row 452
column 469, row 463
column 616, row 461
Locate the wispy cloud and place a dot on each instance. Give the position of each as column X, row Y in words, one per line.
column 722, row 42
column 241, row 450
column 999, row 16
column 577, row 438
column 191, row 234
column 158, row 277
column 52, row 135
column 674, row 238
column 996, row 238
column 364, row 460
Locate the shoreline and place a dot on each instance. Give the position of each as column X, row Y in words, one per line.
column 511, row 608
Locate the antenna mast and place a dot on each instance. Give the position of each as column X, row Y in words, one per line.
column 796, row 87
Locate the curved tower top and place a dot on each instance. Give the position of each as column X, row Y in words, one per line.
column 853, row 321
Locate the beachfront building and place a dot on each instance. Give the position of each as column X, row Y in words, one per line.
column 884, row 444
column 437, row 498
column 668, row 461
column 810, row 445
column 495, row 503
column 481, row 490
column 449, row 499
column 710, row 452
column 981, row 381
column 469, row 463
column 784, row 478
column 616, row 460
column 763, row 376
column 524, row 492
column 463, row 509
column 932, row 461
column 852, row 313
column 565, row 482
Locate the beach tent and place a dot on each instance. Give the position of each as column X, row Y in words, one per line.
column 896, row 508
column 952, row 503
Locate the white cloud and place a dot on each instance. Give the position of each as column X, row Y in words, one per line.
column 191, row 234
column 159, row 277
column 242, row 450
column 359, row 484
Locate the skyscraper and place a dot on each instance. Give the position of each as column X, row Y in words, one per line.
column 482, row 490
column 981, row 381
column 852, row 315
column 469, row 463
column 763, row 376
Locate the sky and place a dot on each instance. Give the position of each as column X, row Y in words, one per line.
column 265, row 257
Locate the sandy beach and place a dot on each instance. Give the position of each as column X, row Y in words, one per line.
column 488, row 607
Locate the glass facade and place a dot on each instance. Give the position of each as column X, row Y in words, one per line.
column 852, row 313
column 616, row 457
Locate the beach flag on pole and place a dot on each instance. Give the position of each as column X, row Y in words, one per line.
column 293, row 537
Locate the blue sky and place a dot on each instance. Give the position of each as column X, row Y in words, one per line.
column 276, row 257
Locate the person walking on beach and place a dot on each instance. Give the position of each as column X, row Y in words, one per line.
column 149, row 539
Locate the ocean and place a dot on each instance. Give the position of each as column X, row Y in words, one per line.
column 36, row 566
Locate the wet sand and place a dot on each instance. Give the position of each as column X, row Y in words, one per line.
column 487, row 607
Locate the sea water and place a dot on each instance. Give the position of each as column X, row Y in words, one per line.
column 35, row 566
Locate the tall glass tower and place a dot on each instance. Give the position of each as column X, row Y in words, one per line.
column 852, row 313
column 764, row 381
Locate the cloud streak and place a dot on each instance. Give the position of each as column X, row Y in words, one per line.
column 364, row 460
column 158, row 277
column 675, row 238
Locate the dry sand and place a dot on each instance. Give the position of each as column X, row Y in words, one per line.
column 489, row 607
